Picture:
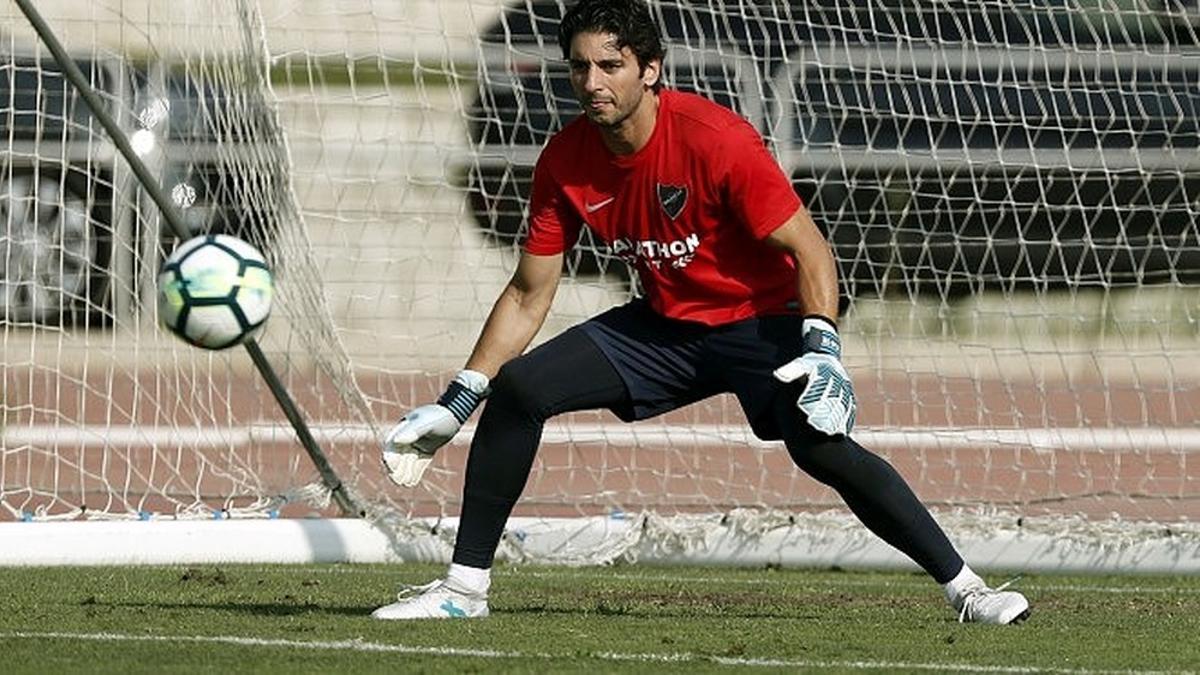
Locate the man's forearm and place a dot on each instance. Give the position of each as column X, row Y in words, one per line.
column 816, row 284
column 816, row 269
column 513, row 322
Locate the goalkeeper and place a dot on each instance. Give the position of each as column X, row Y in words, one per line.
column 740, row 297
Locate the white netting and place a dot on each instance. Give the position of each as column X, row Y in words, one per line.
column 1011, row 188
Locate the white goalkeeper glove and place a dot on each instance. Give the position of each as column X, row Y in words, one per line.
column 828, row 397
column 410, row 445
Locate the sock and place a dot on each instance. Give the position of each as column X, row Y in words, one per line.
column 471, row 579
column 957, row 587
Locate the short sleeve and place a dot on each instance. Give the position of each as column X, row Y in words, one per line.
column 553, row 225
column 757, row 190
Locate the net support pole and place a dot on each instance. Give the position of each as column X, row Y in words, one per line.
column 340, row 494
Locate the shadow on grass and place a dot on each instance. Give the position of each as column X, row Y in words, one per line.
column 715, row 613
column 630, row 603
column 265, row 609
column 286, row 609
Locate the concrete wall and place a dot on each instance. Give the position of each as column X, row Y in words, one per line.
column 354, row 26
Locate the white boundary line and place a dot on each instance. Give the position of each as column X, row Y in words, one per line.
column 640, row 657
column 1075, row 439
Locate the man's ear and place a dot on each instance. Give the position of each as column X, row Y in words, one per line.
column 652, row 73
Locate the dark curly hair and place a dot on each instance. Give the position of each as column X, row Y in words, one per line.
column 629, row 20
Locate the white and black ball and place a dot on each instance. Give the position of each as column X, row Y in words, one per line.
column 215, row 291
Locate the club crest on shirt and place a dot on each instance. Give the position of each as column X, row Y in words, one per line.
column 672, row 198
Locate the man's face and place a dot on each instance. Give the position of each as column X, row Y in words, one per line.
column 608, row 81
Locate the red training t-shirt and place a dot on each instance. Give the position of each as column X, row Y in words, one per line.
column 689, row 210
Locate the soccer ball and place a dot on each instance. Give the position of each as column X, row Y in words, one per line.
column 214, row 291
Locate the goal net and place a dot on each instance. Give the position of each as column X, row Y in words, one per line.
column 1011, row 190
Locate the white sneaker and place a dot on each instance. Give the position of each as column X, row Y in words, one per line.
column 992, row 605
column 437, row 600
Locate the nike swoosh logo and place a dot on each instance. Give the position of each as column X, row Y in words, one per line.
column 592, row 208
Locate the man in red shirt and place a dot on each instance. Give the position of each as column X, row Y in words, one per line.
column 740, row 296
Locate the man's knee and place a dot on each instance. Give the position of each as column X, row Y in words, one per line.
column 831, row 458
column 515, row 388
column 564, row 374
column 835, row 460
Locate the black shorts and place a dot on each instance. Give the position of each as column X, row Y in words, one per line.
column 667, row 363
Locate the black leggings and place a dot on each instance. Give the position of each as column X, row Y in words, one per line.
column 570, row 373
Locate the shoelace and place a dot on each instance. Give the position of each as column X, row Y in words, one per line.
column 409, row 592
column 962, row 613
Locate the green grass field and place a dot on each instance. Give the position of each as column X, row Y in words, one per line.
column 292, row 619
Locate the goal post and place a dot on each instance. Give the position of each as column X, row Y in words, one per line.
column 1011, row 191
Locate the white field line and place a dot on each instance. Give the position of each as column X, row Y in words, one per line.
column 1075, row 439
column 640, row 657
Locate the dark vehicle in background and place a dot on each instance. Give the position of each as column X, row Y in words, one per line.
column 1032, row 148
column 79, row 238
column 946, row 150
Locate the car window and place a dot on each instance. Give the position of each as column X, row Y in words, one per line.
column 202, row 111
column 37, row 100
column 1075, row 23
column 999, row 106
column 765, row 25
